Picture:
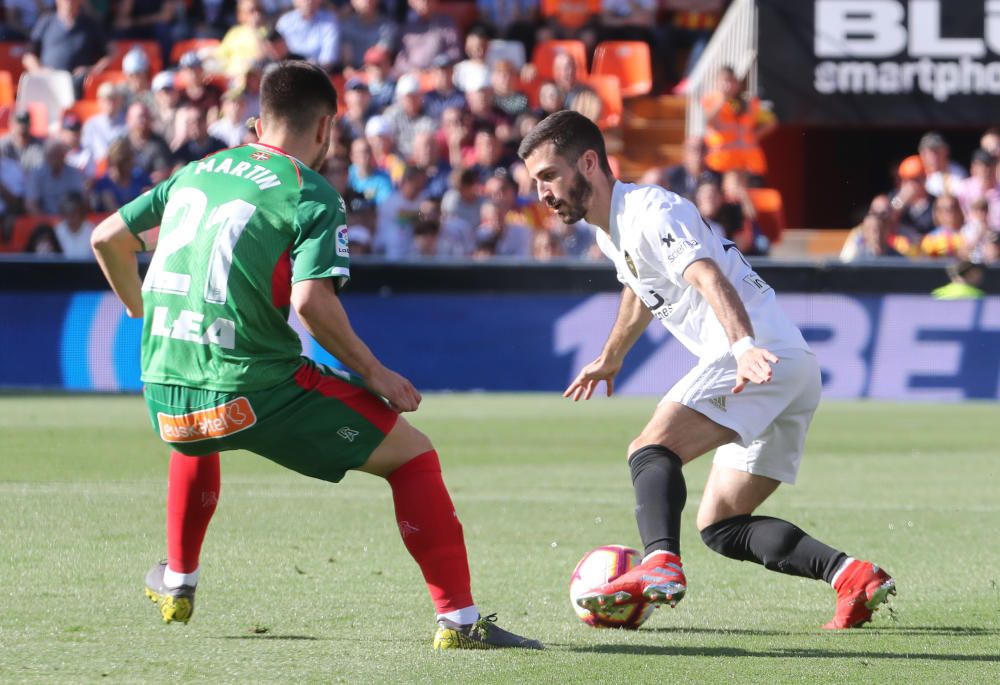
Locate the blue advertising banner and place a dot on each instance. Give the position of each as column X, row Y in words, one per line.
column 901, row 347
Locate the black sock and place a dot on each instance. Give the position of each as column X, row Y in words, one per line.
column 777, row 545
column 660, row 495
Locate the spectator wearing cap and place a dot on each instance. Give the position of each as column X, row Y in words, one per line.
column 122, row 182
column 194, row 141
column 73, row 229
column 982, row 184
column 20, row 145
column 108, row 123
column 511, row 101
column 150, row 150
column 77, row 156
column 912, row 206
column 49, row 183
column 380, row 136
column 231, row 126
column 427, row 155
column 358, row 108
column 313, row 31
column 381, row 85
column 424, row 36
column 135, row 66
column 364, row 177
column 942, row 174
column 70, row 40
column 946, row 238
column 407, row 114
column 396, row 214
column 444, row 94
column 196, row 88
column 148, row 20
column 244, row 43
column 482, row 107
column 364, row 28
column 473, row 69
column 166, row 100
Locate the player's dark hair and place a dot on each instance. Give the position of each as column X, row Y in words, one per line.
column 571, row 134
column 296, row 93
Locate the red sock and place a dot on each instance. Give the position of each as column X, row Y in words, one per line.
column 192, row 493
column 431, row 531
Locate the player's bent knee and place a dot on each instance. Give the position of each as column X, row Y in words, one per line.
column 403, row 443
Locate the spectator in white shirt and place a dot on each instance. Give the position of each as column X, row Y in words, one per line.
column 313, row 32
column 943, row 175
column 73, row 232
column 109, row 123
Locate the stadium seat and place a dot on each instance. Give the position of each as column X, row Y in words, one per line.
column 510, row 50
column 6, row 88
column 94, row 80
column 52, row 87
column 24, row 226
column 770, row 212
column 200, row 45
column 607, row 88
column 11, row 54
column 545, row 53
column 120, row 48
column 571, row 14
column 464, row 13
column 629, row 60
column 85, row 108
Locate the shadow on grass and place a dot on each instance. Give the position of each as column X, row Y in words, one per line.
column 788, row 653
column 717, row 631
column 267, row 636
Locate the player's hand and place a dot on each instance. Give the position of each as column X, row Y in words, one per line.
column 601, row 369
column 754, row 366
column 396, row 389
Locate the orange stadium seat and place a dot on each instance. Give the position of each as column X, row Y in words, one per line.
column 200, row 45
column 120, row 48
column 11, row 54
column 770, row 211
column 6, row 88
column 85, row 108
column 94, row 81
column 571, row 14
column 464, row 13
column 545, row 53
column 24, row 226
column 629, row 60
column 607, row 88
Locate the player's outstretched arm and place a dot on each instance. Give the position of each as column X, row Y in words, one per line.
column 632, row 319
column 753, row 363
column 115, row 248
column 323, row 315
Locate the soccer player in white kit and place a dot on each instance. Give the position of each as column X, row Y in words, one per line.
column 750, row 397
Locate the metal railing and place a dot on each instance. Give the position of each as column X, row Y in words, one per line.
column 734, row 43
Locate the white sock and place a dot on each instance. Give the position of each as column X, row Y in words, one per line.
column 175, row 579
column 847, row 562
column 461, row 617
column 659, row 551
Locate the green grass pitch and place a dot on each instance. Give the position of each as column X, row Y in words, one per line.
column 305, row 582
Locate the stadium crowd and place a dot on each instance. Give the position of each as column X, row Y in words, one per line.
column 432, row 111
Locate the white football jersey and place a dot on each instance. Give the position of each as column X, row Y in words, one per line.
column 654, row 235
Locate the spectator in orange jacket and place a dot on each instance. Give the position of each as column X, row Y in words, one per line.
column 735, row 125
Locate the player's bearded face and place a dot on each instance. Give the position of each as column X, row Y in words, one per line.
column 574, row 207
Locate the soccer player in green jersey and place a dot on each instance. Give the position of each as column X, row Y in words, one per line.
column 244, row 234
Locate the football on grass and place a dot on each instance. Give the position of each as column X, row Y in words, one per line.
column 597, row 567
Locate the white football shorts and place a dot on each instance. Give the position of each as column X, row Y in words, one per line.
column 771, row 419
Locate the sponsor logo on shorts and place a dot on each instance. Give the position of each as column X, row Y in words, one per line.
column 719, row 402
column 348, row 434
column 204, row 424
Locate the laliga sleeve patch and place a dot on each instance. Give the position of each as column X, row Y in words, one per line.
column 342, row 245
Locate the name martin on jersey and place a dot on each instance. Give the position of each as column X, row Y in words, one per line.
column 262, row 176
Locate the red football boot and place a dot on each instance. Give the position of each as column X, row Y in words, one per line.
column 861, row 588
column 658, row 580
